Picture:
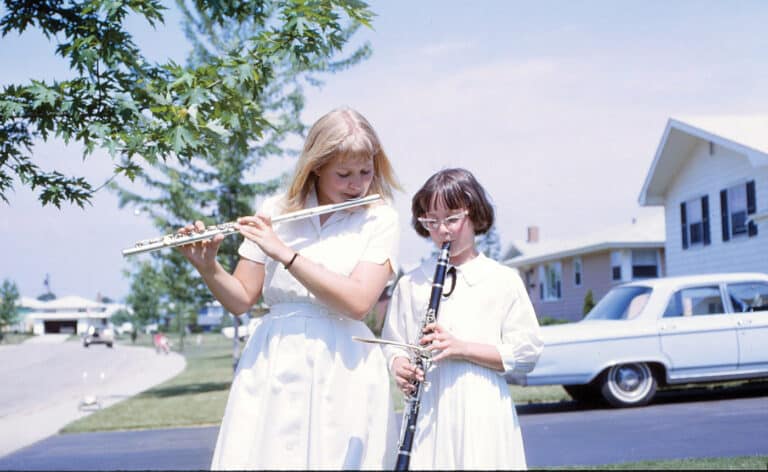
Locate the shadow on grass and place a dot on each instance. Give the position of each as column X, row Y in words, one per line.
column 668, row 395
column 189, row 389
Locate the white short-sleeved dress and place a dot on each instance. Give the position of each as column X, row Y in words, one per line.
column 467, row 418
column 305, row 395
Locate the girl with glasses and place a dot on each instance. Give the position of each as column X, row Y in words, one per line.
column 485, row 328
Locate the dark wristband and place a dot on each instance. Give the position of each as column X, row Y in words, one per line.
column 290, row 263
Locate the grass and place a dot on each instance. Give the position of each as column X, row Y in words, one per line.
column 14, row 338
column 196, row 397
column 717, row 463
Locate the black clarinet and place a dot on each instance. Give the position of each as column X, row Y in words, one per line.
column 422, row 360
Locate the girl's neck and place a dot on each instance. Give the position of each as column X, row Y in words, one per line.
column 460, row 256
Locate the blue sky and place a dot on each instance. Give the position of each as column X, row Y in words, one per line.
column 556, row 106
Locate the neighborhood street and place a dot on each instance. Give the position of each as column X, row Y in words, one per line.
column 49, row 383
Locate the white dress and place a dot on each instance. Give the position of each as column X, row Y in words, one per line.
column 467, row 418
column 305, row 395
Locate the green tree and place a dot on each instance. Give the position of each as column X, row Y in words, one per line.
column 221, row 184
column 146, row 294
column 114, row 98
column 589, row 302
column 489, row 243
column 9, row 311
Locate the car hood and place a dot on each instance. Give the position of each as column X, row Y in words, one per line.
column 591, row 330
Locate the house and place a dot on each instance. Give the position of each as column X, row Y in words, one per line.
column 558, row 273
column 711, row 176
column 70, row 314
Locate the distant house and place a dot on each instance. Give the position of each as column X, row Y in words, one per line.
column 711, row 176
column 71, row 314
column 558, row 273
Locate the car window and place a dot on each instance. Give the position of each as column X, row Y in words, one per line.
column 748, row 297
column 621, row 303
column 695, row 301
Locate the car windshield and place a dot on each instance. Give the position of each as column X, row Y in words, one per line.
column 622, row 303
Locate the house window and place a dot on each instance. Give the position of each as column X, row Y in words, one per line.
column 736, row 204
column 615, row 265
column 645, row 263
column 694, row 222
column 550, row 281
column 577, row 272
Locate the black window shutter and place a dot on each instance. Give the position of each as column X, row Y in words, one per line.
column 684, row 225
column 705, row 218
column 751, row 208
column 724, row 214
column 751, row 204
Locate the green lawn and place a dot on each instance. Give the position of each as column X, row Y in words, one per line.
column 14, row 338
column 195, row 397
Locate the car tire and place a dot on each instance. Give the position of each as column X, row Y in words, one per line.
column 627, row 385
column 582, row 393
column 109, row 345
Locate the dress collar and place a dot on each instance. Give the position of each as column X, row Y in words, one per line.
column 335, row 217
column 472, row 272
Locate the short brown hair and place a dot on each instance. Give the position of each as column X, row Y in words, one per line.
column 456, row 189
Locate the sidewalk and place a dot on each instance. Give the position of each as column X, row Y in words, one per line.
column 51, row 380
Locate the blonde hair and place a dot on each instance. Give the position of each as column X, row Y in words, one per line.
column 343, row 133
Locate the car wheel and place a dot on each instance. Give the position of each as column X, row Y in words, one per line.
column 626, row 385
column 109, row 345
column 582, row 393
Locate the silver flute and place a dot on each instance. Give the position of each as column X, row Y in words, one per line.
column 178, row 239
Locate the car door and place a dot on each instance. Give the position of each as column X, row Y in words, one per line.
column 696, row 334
column 750, row 308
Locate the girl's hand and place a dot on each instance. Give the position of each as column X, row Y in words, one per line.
column 440, row 339
column 201, row 254
column 405, row 373
column 258, row 229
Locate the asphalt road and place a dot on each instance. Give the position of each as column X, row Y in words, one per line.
column 727, row 424
column 47, row 384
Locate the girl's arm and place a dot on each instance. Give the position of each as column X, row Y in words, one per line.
column 520, row 344
column 486, row 355
column 237, row 292
column 353, row 295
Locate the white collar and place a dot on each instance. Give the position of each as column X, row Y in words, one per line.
column 472, row 272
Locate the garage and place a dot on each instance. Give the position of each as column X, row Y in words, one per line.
column 60, row 326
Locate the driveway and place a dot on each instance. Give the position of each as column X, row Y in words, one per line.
column 48, row 384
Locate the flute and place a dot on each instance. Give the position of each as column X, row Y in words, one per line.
column 177, row 239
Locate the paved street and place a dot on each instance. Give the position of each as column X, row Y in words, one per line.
column 46, row 380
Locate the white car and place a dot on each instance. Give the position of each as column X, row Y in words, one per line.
column 663, row 331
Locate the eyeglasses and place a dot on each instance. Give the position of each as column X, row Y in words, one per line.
column 432, row 224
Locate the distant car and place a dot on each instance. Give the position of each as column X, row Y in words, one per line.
column 99, row 335
column 663, row 331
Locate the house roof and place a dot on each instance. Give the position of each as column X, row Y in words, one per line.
column 744, row 134
column 71, row 303
column 646, row 234
column 66, row 315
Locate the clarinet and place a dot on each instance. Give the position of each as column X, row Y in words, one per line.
column 423, row 360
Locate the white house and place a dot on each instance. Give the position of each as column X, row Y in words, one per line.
column 558, row 273
column 71, row 314
column 711, row 176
